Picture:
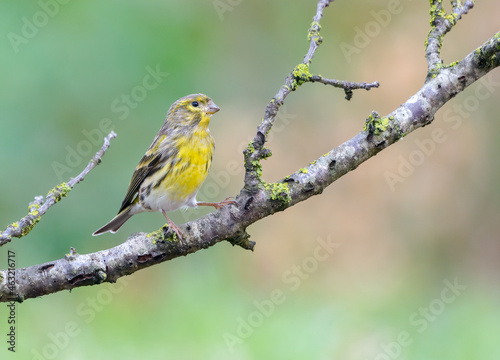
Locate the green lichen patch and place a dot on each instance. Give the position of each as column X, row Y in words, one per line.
column 26, row 230
column 33, row 206
column 278, row 192
column 155, row 236
column 160, row 235
column 376, row 125
column 303, row 171
column 486, row 56
column 251, row 148
column 59, row 191
column 313, row 32
column 452, row 18
column 266, row 153
column 257, row 167
column 300, row 75
column 34, row 213
column 436, row 11
column 434, row 72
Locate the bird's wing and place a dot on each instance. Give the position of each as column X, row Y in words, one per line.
column 154, row 159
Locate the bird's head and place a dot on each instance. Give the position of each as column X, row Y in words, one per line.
column 192, row 110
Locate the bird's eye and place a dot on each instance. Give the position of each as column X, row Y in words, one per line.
column 195, row 103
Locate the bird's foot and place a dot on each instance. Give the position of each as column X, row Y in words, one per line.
column 218, row 205
column 175, row 228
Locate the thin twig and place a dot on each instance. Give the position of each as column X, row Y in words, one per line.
column 442, row 23
column 314, row 37
column 39, row 207
column 299, row 75
column 346, row 85
column 256, row 151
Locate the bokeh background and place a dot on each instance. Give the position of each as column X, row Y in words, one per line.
column 414, row 274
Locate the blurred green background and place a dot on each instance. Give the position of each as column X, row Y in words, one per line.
column 414, row 274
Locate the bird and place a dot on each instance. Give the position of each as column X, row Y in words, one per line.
column 174, row 167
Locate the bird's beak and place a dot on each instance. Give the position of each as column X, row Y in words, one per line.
column 212, row 108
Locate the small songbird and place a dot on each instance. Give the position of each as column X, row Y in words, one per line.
column 174, row 166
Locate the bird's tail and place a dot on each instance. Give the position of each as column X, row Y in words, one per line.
column 116, row 223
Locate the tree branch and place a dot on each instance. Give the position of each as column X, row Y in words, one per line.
column 258, row 199
column 441, row 24
column 299, row 75
column 39, row 207
column 346, row 85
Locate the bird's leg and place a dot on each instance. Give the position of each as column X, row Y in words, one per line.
column 172, row 226
column 218, row 205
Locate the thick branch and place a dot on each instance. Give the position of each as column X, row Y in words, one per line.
column 143, row 250
column 39, row 207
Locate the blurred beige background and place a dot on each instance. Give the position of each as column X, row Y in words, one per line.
column 413, row 274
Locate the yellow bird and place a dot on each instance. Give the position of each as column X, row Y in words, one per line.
column 175, row 165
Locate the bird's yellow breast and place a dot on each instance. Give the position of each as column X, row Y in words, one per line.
column 192, row 164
